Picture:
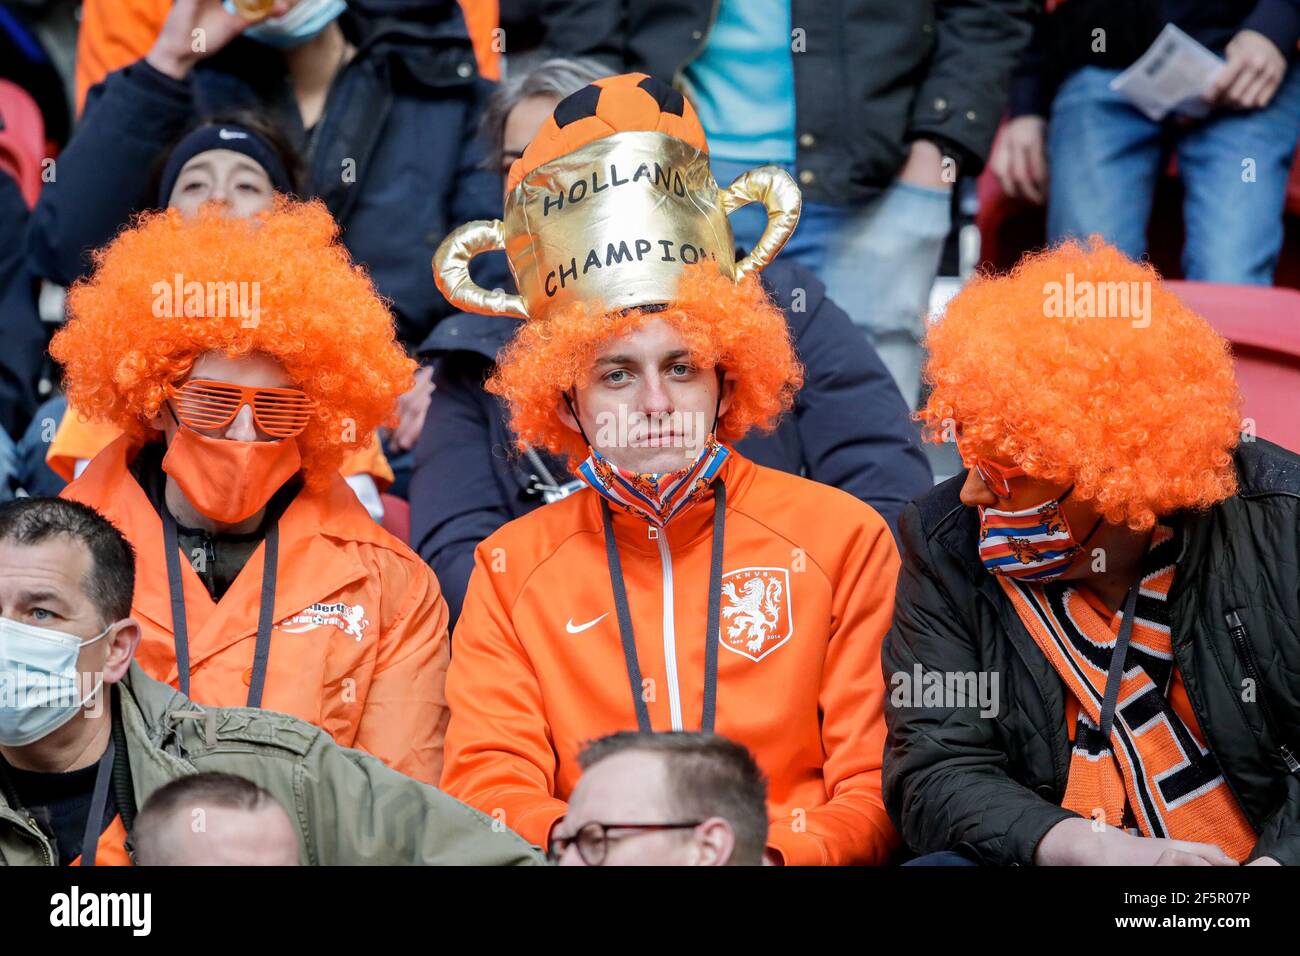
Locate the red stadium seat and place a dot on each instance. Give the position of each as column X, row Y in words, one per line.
column 397, row 517
column 1263, row 325
column 22, row 139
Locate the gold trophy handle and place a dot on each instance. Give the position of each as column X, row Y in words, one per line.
column 773, row 187
column 451, row 270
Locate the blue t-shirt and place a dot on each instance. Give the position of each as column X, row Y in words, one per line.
column 742, row 84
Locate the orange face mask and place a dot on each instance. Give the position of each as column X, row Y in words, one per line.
column 226, row 480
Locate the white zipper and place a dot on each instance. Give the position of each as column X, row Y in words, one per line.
column 670, row 632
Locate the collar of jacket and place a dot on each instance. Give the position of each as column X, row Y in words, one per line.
column 319, row 530
column 144, row 704
column 427, row 41
column 689, row 527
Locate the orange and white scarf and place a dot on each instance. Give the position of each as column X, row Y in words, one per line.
column 1152, row 766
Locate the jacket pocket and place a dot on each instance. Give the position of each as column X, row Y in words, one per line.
column 1246, row 655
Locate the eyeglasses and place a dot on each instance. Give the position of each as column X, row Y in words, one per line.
column 204, row 404
column 592, row 839
column 998, row 477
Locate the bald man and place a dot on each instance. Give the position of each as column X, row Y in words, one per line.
column 214, row 819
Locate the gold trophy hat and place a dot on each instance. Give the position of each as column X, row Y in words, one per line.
column 610, row 199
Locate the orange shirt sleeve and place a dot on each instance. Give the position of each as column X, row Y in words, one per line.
column 499, row 755
column 853, row 827
column 370, row 460
column 482, row 17
column 76, row 439
column 114, row 34
column 405, row 717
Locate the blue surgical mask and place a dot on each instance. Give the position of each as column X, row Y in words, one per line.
column 296, row 27
column 38, row 681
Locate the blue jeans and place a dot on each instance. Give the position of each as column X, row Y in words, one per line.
column 1106, row 157
column 878, row 260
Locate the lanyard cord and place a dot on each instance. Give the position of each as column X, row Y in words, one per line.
column 99, row 799
column 265, row 616
column 711, row 638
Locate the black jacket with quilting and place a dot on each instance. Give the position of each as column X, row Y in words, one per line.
column 992, row 787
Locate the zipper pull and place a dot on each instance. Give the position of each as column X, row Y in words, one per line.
column 654, row 532
column 1288, row 757
column 1234, row 623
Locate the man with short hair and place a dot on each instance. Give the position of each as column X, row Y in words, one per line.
column 685, row 587
column 677, row 799
column 214, row 819
column 86, row 736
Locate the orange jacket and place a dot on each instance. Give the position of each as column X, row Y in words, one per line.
column 539, row 667
column 116, row 33
column 77, row 440
column 371, row 672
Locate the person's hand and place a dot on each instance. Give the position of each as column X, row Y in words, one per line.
column 196, row 29
column 1255, row 69
column 924, row 167
column 1264, row 861
column 1019, row 159
column 411, row 409
column 1075, row 843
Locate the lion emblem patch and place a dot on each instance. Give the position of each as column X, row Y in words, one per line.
column 756, row 615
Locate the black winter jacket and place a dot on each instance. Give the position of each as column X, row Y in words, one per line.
column 394, row 155
column 870, row 76
column 992, row 787
column 849, row 428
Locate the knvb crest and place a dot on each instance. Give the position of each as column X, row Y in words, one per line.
column 756, row 617
column 348, row 618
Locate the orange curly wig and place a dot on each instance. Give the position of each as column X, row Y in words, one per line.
column 320, row 317
column 1142, row 420
column 732, row 324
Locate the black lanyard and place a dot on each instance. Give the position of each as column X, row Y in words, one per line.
column 1115, row 675
column 711, row 635
column 98, row 801
column 265, row 616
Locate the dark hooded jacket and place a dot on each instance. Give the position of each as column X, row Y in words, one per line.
column 394, row 155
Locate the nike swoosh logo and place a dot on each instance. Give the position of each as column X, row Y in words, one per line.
column 579, row 628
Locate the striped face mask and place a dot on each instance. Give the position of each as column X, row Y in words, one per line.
column 657, row 498
column 1035, row 544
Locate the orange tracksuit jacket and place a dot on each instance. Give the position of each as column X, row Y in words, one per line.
column 359, row 646
column 808, row 586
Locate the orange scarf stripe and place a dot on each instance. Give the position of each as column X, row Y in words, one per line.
column 1152, row 769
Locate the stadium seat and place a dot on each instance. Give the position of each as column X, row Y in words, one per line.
column 397, row 517
column 22, row 139
column 1263, row 325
